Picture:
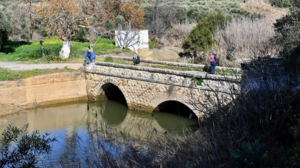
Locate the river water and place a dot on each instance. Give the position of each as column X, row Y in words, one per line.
column 74, row 126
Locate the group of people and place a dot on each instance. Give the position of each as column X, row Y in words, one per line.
column 89, row 56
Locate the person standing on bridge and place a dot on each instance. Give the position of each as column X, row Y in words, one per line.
column 213, row 62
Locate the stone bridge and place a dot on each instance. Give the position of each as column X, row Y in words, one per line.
column 146, row 88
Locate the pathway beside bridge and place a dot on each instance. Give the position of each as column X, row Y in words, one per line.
column 26, row 67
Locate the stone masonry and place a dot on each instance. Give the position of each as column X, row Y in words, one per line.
column 145, row 88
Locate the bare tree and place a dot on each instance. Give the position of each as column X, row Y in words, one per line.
column 160, row 16
column 127, row 38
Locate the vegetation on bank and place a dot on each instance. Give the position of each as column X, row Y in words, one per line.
column 26, row 51
column 7, row 74
column 18, row 148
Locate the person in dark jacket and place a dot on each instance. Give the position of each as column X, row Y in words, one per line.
column 137, row 57
column 213, row 62
column 134, row 59
column 89, row 56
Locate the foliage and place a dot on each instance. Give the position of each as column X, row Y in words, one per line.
column 108, row 59
column 153, row 44
column 198, row 81
column 20, row 148
column 130, row 11
column 250, row 156
column 285, row 3
column 7, row 74
column 286, row 30
column 133, row 14
column 4, row 29
column 61, row 16
column 24, row 51
column 81, row 35
column 201, row 37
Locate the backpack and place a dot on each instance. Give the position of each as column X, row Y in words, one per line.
column 212, row 58
column 138, row 59
column 89, row 55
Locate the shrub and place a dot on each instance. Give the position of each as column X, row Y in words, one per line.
column 153, row 44
column 201, row 37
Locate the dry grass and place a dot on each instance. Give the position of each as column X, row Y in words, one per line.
column 248, row 38
column 259, row 6
column 175, row 36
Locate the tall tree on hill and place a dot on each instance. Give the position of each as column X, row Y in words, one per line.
column 62, row 18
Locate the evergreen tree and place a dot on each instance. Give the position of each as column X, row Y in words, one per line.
column 287, row 36
column 201, row 37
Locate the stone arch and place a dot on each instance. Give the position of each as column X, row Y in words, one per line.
column 98, row 89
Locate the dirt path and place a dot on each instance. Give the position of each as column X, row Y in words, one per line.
column 25, row 67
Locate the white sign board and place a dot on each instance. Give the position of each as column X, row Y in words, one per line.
column 134, row 39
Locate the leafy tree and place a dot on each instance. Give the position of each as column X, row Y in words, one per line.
column 287, row 35
column 201, row 37
column 64, row 17
column 4, row 28
column 18, row 148
column 133, row 14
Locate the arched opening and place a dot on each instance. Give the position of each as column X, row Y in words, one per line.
column 175, row 117
column 177, row 108
column 112, row 92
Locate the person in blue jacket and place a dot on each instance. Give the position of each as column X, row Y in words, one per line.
column 89, row 56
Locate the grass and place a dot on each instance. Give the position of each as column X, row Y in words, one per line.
column 31, row 51
column 7, row 74
column 217, row 71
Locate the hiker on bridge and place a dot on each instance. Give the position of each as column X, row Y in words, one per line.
column 89, row 56
column 136, row 58
column 213, row 62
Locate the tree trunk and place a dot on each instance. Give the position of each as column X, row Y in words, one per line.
column 0, row 40
column 42, row 47
column 91, row 45
column 65, row 50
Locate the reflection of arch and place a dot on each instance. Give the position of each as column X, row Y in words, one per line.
column 176, row 107
column 116, row 115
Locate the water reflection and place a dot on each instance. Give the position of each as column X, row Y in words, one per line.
column 113, row 112
column 76, row 128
